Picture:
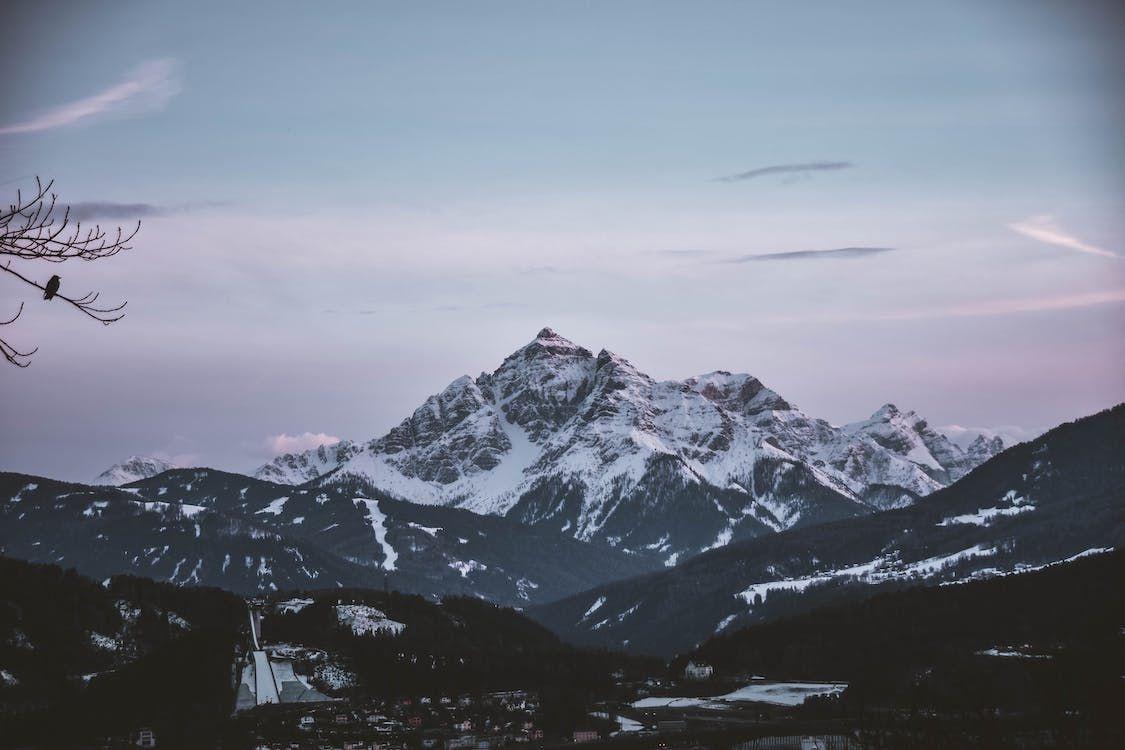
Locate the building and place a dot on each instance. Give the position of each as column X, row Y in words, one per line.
column 585, row 735
column 700, row 671
column 145, row 738
column 671, row 726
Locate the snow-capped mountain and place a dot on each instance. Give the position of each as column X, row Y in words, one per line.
column 1009, row 435
column 589, row 445
column 132, row 469
column 1054, row 499
column 298, row 468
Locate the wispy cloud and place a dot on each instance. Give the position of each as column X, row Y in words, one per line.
column 149, row 86
column 839, row 252
column 1045, row 229
column 104, row 210
column 537, row 270
column 278, row 445
column 981, row 308
column 681, row 253
column 130, row 211
column 798, row 169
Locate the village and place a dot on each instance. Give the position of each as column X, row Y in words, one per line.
column 514, row 719
column 280, row 705
column 446, row 722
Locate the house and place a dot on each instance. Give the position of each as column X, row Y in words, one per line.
column 585, row 735
column 700, row 671
column 671, row 725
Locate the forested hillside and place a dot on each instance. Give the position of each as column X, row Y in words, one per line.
column 1048, row 644
column 82, row 659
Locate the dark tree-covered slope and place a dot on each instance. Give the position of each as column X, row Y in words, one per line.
column 1046, row 644
column 458, row 645
column 82, row 660
column 201, row 526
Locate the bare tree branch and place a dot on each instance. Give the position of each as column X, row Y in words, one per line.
column 30, row 230
column 84, row 303
column 13, row 355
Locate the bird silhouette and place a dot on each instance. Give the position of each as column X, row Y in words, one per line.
column 52, row 287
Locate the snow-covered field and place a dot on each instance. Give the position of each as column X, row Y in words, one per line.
column 774, row 693
column 783, row 693
column 1017, row 504
column 365, row 620
column 874, row 571
column 292, row 606
column 1011, row 653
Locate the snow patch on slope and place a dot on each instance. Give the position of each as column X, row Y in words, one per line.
column 379, row 526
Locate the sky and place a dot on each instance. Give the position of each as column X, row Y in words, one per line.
column 346, row 206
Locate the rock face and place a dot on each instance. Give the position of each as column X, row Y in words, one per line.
column 298, row 468
column 586, row 444
column 132, row 469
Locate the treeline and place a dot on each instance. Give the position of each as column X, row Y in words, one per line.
column 463, row 645
column 67, row 691
column 921, row 648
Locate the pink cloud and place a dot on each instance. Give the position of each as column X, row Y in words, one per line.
column 277, row 445
column 1045, row 229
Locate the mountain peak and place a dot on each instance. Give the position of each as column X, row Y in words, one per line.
column 548, row 340
column 132, row 469
column 886, row 411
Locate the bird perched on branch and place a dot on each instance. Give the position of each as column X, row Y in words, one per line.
column 52, row 287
